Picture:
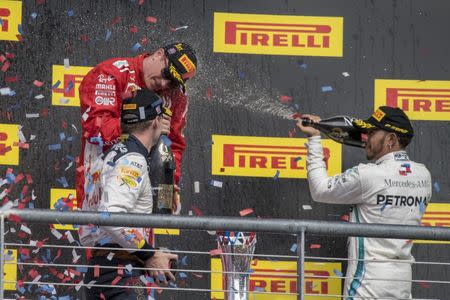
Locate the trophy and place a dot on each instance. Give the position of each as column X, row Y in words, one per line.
column 232, row 244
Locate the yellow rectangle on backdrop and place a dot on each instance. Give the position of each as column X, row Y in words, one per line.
column 278, row 34
column 419, row 99
column 268, row 156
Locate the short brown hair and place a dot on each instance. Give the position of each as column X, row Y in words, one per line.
column 135, row 127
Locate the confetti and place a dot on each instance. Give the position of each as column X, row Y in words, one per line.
column 66, row 64
column 38, row 83
column 56, row 233
column 34, row 15
column 306, row 207
column 327, row 88
column 133, row 29
column 32, row 116
column 70, row 13
column 151, row 19
column 108, row 35
column 294, row 248
column 315, row 246
column 53, row 147
column 110, row 256
column 345, row 74
column 6, row 91
column 436, row 186
column 69, row 236
column 39, row 97
column 338, row 273
column 285, row 99
column 277, row 175
column 245, row 212
column 136, row 47
column 215, row 252
column 216, row 183
column 25, row 229
column 345, row 218
column 196, row 187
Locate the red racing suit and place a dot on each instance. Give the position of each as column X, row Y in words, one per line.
column 101, row 94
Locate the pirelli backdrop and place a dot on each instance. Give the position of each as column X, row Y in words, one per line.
column 260, row 62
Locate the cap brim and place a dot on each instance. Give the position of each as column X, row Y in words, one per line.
column 362, row 125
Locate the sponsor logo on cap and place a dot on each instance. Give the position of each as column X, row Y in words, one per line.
column 187, row 63
column 278, row 34
column 129, row 106
column 378, row 115
column 420, row 100
column 267, row 157
column 175, row 74
column 361, row 124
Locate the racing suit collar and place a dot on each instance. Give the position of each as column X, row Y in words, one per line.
column 138, row 63
column 397, row 155
column 140, row 147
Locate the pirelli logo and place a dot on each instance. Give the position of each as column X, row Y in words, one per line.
column 267, row 157
column 278, row 34
column 421, row 100
column 66, row 82
column 10, row 20
column 281, row 277
column 436, row 214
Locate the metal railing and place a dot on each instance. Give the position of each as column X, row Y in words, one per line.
column 284, row 226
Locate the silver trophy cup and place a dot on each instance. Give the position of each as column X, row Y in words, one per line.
column 236, row 285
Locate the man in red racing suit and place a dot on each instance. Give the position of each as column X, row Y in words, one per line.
column 101, row 92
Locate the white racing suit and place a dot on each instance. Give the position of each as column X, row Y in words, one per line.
column 118, row 181
column 393, row 190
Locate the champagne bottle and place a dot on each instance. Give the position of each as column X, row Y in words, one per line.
column 339, row 129
column 162, row 170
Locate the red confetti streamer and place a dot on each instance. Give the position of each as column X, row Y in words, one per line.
column 96, row 271
column 196, row 211
column 9, row 55
column 116, row 280
column 38, row 83
column 215, row 252
column 19, row 178
column 209, row 93
column 315, row 246
column 2, row 58
column 292, row 132
column 144, row 41
column 285, row 99
column 10, row 79
column 115, row 20
column 19, row 37
column 5, row 66
column 151, row 19
column 197, row 275
column 39, row 2
column 84, row 37
column 133, row 29
column 424, row 285
column 345, row 218
column 44, row 112
column 33, row 273
column 245, row 212
column 102, row 296
column 120, row 269
column 29, row 179
column 15, row 218
column 141, row 2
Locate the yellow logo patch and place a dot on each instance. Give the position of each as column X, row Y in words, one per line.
column 378, row 115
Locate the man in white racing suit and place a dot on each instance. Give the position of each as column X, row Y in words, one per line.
column 118, row 181
column 392, row 190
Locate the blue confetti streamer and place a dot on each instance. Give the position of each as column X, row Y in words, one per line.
column 338, row 273
column 422, row 207
column 53, row 147
column 277, row 175
column 436, row 186
column 33, row 15
column 20, row 29
column 70, row 138
column 104, row 240
column 166, row 140
column 303, row 66
column 108, row 35
column 327, row 88
column 294, row 248
column 184, row 261
column 70, row 13
column 71, row 158
column 182, row 275
column 136, row 47
column 62, row 136
column 56, row 84
column 63, row 181
column 69, row 86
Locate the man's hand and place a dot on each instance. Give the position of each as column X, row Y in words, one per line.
column 176, row 201
column 161, row 260
column 165, row 124
column 309, row 130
